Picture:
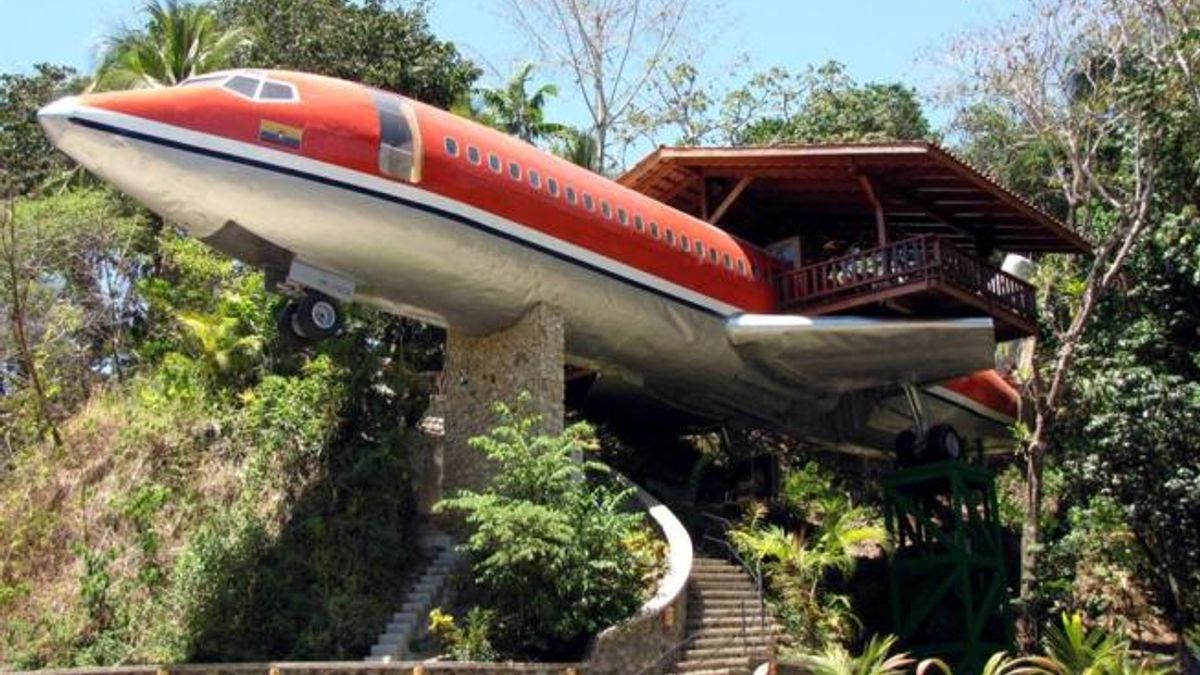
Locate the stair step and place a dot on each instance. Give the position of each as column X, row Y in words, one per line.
column 718, row 671
column 731, row 620
column 391, row 638
column 724, row 652
column 707, row 627
column 386, row 650
column 404, row 617
column 699, row 665
column 756, row 641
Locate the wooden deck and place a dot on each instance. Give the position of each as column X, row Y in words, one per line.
column 919, row 276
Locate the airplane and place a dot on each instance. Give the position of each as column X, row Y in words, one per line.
column 345, row 193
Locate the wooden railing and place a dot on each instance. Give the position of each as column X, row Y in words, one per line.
column 925, row 260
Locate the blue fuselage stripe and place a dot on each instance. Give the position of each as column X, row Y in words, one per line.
column 428, row 208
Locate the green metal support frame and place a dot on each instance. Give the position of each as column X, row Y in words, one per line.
column 947, row 584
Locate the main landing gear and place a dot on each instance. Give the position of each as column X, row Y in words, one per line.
column 922, row 446
column 309, row 319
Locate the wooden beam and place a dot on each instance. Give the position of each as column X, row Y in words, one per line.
column 703, row 196
column 880, row 219
column 730, row 199
column 935, row 213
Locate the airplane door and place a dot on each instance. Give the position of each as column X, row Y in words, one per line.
column 399, row 138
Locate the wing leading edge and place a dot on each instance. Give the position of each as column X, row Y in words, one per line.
column 845, row 353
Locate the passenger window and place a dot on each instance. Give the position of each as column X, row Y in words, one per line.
column 588, row 202
column 741, row 265
column 637, row 223
column 277, row 91
column 653, row 229
column 670, row 237
column 535, row 179
column 623, row 217
column 243, row 85
column 700, row 248
column 728, row 262
column 514, row 170
column 451, row 147
column 683, row 242
column 473, row 155
column 712, row 255
column 552, row 186
column 606, row 210
column 571, row 195
column 494, row 162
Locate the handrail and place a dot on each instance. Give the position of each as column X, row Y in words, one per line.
column 755, row 573
column 924, row 258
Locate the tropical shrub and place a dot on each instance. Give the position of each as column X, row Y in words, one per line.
column 554, row 553
column 806, row 563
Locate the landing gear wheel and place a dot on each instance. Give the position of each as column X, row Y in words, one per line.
column 316, row 317
column 944, row 443
column 285, row 321
column 906, row 448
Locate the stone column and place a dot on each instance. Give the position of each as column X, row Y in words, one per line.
column 479, row 371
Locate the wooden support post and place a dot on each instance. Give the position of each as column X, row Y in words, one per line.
column 703, row 197
column 872, row 196
column 730, row 199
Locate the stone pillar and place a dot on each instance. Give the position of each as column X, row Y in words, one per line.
column 479, row 371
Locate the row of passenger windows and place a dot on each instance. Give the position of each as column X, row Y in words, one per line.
column 667, row 235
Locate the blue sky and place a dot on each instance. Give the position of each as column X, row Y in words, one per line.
column 878, row 40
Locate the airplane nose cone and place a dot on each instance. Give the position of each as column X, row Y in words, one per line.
column 54, row 117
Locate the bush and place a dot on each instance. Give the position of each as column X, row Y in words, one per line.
column 553, row 553
column 809, row 563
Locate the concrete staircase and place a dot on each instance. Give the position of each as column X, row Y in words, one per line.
column 410, row 622
column 726, row 635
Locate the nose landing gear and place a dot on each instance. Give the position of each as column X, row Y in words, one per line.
column 311, row 318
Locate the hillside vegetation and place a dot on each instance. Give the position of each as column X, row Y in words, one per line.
column 175, row 485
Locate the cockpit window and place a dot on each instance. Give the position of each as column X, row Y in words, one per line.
column 277, row 91
column 243, row 84
column 203, row 80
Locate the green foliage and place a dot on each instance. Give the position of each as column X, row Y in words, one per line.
column 875, row 659
column 820, row 104
column 517, row 112
column 836, row 109
column 577, row 147
column 179, row 40
column 469, row 643
column 27, row 160
column 552, row 549
column 377, row 42
column 806, row 564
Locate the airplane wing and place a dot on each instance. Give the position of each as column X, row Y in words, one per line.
column 847, row 353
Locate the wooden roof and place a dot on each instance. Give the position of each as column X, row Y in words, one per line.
column 922, row 188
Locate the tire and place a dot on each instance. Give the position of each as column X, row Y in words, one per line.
column 906, row 448
column 317, row 317
column 285, row 321
column 944, row 443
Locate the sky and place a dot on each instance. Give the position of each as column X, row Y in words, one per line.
column 878, row 40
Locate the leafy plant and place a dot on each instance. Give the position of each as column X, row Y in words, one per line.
column 798, row 562
column 469, row 643
column 875, row 659
column 553, row 550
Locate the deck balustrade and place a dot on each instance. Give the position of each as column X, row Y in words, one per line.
column 907, row 267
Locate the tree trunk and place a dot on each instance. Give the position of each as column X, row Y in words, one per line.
column 44, row 422
column 1035, row 462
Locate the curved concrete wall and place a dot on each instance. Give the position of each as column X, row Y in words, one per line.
column 660, row 625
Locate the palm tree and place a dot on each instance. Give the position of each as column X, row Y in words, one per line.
column 578, row 147
column 180, row 40
column 515, row 111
